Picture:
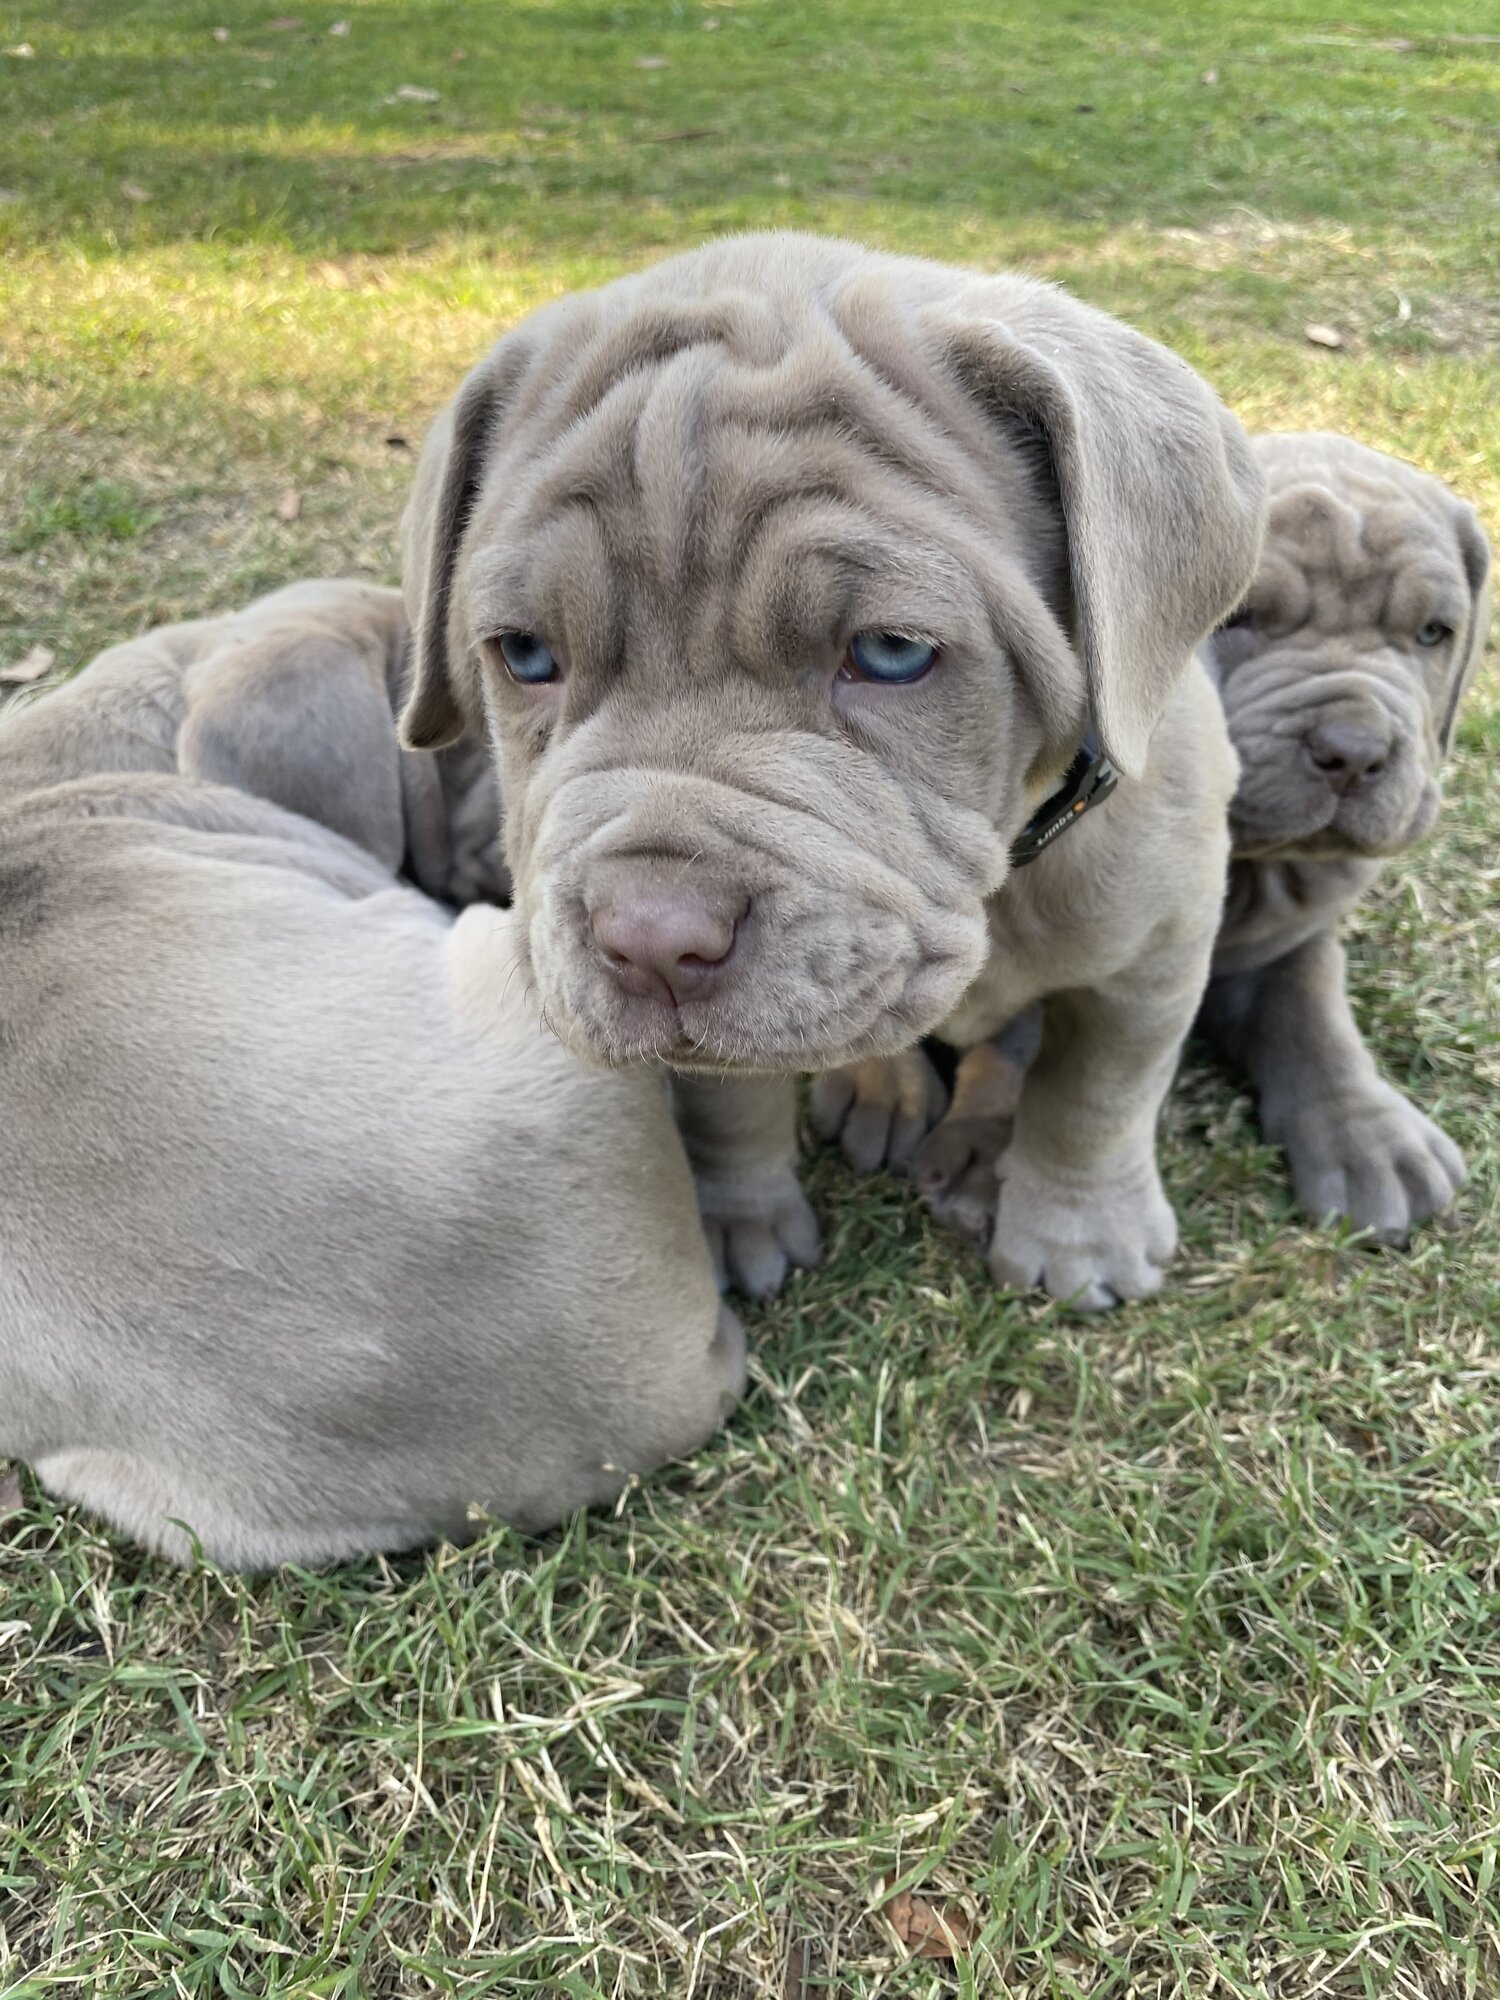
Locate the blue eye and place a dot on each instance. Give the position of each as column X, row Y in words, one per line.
column 526, row 659
column 889, row 657
column 1433, row 633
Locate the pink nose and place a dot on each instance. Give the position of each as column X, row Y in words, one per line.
column 1344, row 755
column 665, row 944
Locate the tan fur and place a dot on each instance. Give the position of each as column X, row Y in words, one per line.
column 695, row 485
column 1361, row 553
column 312, row 1238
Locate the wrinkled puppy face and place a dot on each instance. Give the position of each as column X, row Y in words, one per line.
column 1342, row 672
column 757, row 570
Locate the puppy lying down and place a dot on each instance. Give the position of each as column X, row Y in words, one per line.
column 1341, row 677
column 312, row 1237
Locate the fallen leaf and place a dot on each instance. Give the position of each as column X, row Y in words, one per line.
column 797, row 1980
column 221, row 34
column 339, row 28
column 651, row 62
column 20, row 50
column 11, row 1501
column 283, row 22
column 413, row 93
column 1324, row 336
column 291, row 505
column 30, row 667
column 928, row 1929
column 133, row 192
column 1210, row 76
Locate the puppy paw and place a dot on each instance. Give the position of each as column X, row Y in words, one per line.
column 954, row 1171
column 1089, row 1246
column 1375, row 1161
column 757, row 1229
column 879, row 1111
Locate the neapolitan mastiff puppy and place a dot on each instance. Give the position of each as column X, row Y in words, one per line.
column 1341, row 677
column 311, row 1237
column 792, row 582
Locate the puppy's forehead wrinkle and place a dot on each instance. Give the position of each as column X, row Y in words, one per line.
column 670, row 466
column 658, row 432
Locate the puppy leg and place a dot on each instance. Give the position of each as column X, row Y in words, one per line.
column 1357, row 1148
column 741, row 1138
column 879, row 1110
column 954, row 1167
column 1082, row 1210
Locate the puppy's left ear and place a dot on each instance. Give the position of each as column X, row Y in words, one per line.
column 1473, row 546
column 1162, row 500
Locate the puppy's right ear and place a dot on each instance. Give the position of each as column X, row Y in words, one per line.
column 450, row 475
column 1474, row 548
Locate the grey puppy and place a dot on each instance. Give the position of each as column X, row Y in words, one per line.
column 1341, row 680
column 789, row 581
column 312, row 1238
column 1341, row 677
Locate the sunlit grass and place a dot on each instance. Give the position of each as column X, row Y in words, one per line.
column 1167, row 1643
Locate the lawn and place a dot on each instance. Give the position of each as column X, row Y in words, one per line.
column 1165, row 1651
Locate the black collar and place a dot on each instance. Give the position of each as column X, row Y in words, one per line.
column 1091, row 778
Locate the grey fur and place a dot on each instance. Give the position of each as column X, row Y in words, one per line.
column 694, row 484
column 312, row 1238
column 1362, row 552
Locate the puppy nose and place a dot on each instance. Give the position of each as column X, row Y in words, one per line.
column 665, row 944
column 1345, row 755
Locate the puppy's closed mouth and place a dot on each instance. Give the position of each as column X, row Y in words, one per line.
column 753, row 1026
column 677, row 919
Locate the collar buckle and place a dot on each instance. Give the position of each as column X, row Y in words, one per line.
column 1090, row 780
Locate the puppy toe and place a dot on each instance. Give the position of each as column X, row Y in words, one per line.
column 866, row 1136
column 1431, row 1175
column 756, row 1262
column 908, row 1129
column 829, row 1100
column 968, row 1204
column 797, row 1232
column 1015, row 1267
column 1092, row 1297
column 940, row 1161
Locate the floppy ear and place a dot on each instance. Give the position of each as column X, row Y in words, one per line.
column 1162, row 501
column 450, row 474
column 1475, row 549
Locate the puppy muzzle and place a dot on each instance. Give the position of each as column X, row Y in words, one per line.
column 795, row 925
column 1346, row 765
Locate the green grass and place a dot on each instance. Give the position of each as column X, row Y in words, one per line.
column 1169, row 1643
